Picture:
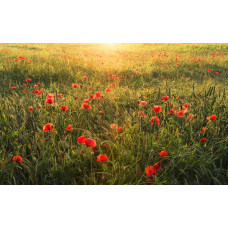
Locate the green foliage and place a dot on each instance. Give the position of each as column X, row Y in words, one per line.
column 146, row 72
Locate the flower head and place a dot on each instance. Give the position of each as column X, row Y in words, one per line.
column 49, row 98
column 81, row 139
column 204, row 129
column 17, row 158
column 203, row 140
column 150, row 171
column 190, row 117
column 163, row 153
column 86, row 106
column 75, row 86
column 108, row 90
column 143, row 103
column 69, row 128
column 213, row 118
column 157, row 166
column 48, row 127
column 113, row 126
column 120, row 129
column 90, row 142
column 157, row 109
column 64, row 108
column 165, row 98
column 102, row 158
column 155, row 119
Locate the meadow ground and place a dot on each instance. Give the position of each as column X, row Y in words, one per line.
column 149, row 114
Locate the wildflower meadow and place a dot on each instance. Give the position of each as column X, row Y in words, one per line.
column 113, row 114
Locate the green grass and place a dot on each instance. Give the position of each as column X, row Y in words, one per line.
column 56, row 157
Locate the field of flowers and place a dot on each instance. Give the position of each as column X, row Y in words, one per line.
column 113, row 114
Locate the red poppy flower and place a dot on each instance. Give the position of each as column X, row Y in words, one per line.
column 165, row 98
column 24, row 91
column 34, row 91
column 203, row 140
column 171, row 112
column 108, row 90
column 49, row 98
column 38, row 92
column 81, row 139
column 112, row 85
column 48, row 127
column 204, row 129
column 120, row 129
column 157, row 166
column 209, row 70
column 64, row 108
column 75, row 86
column 86, row 101
column 163, row 153
column 85, row 78
column 178, row 98
column 39, row 84
column 92, row 96
column 90, row 142
column 143, row 103
column 17, row 158
column 102, row 158
column 69, row 127
column 113, row 126
column 217, row 73
column 184, row 109
column 190, row 117
column 180, row 114
column 98, row 95
column 213, row 117
column 150, row 171
column 155, row 119
column 35, row 86
column 86, row 106
column 100, row 112
column 14, row 88
column 30, row 108
column 186, row 105
column 28, row 80
column 157, row 109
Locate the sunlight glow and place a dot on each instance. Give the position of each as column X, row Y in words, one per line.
column 112, row 46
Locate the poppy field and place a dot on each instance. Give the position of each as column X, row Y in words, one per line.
column 113, row 114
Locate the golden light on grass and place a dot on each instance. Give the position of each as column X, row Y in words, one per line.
column 112, row 46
